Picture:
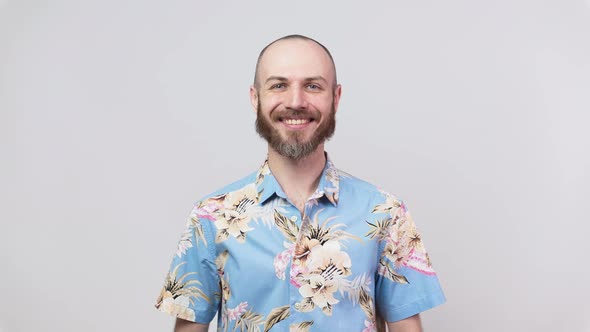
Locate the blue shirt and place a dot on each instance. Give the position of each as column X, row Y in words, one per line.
column 249, row 253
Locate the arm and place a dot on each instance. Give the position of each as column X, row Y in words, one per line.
column 187, row 326
column 410, row 324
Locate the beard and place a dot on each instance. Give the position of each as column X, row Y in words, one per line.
column 294, row 146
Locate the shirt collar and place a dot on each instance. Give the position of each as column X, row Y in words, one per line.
column 329, row 184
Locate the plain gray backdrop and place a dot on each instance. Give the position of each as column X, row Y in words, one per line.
column 115, row 116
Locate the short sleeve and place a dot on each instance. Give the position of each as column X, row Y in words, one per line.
column 191, row 289
column 406, row 283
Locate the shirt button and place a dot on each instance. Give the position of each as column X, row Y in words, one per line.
column 293, row 218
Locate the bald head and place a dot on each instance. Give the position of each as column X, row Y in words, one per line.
column 280, row 49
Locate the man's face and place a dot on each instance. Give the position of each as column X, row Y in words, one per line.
column 295, row 97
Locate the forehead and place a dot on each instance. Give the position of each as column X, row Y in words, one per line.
column 296, row 59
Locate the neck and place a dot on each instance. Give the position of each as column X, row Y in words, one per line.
column 298, row 178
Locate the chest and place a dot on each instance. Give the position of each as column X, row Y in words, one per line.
column 282, row 247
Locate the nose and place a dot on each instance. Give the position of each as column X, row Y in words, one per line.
column 296, row 99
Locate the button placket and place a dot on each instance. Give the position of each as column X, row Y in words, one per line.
column 292, row 289
column 303, row 224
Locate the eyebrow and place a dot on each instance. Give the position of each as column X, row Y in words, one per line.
column 276, row 78
column 284, row 79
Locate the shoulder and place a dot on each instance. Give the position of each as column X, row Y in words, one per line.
column 357, row 187
column 249, row 179
column 207, row 207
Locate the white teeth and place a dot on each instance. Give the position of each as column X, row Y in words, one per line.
column 296, row 122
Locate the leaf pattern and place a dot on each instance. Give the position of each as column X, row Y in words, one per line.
column 221, row 236
column 323, row 233
column 305, row 305
column 221, row 260
column 265, row 212
column 310, row 257
column 300, row 327
column 175, row 288
column 286, row 226
column 366, row 303
column 248, row 322
column 403, row 243
column 223, row 277
column 380, row 229
column 354, row 288
column 232, row 214
column 185, row 242
column 388, row 206
column 387, row 271
column 276, row 315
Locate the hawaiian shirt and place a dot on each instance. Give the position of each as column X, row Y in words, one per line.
column 248, row 254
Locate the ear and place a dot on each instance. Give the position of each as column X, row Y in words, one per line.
column 337, row 94
column 254, row 98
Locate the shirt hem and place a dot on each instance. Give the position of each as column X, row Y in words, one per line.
column 181, row 313
column 394, row 314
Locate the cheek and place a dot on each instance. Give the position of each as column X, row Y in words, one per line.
column 321, row 100
column 323, row 105
column 268, row 103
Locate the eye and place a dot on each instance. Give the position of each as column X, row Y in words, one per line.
column 313, row 86
column 278, row 86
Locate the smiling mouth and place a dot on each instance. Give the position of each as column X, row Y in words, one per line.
column 296, row 121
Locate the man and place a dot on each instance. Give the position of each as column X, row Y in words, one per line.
column 299, row 245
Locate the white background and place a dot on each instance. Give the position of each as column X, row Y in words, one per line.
column 115, row 116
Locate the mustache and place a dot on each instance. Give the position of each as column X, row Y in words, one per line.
column 295, row 114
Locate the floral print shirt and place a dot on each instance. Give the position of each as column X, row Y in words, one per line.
column 249, row 254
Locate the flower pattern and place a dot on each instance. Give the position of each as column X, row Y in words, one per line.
column 245, row 246
column 235, row 313
column 327, row 265
column 403, row 243
column 283, row 259
column 370, row 326
column 233, row 217
column 178, row 293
